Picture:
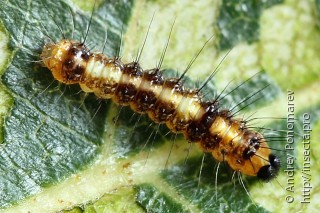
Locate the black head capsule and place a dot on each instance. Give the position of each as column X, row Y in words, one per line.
column 268, row 172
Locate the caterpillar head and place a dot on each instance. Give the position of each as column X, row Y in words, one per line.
column 66, row 60
column 270, row 171
column 244, row 150
column 259, row 161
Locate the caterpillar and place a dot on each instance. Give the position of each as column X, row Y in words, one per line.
column 165, row 101
column 28, row 73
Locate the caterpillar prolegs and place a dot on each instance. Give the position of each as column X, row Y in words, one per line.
column 165, row 101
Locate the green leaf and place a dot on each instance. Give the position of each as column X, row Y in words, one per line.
column 318, row 11
column 52, row 132
column 114, row 202
column 151, row 200
column 63, row 150
column 239, row 21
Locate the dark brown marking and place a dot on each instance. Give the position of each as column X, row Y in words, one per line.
column 125, row 93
